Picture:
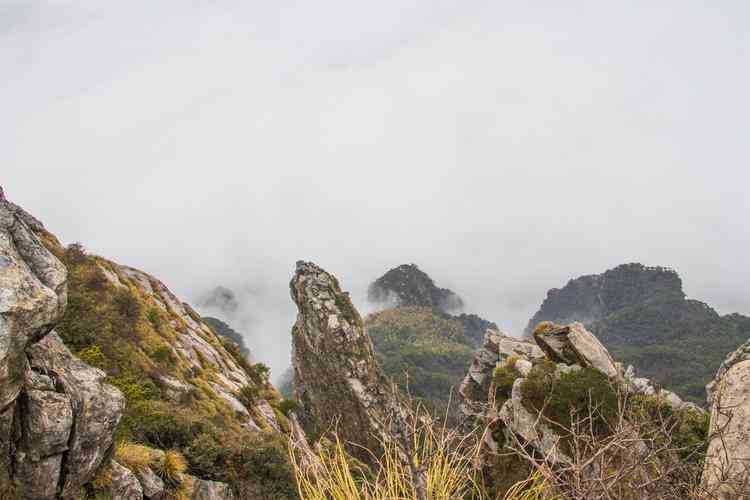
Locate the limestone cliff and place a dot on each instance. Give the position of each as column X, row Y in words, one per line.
column 336, row 378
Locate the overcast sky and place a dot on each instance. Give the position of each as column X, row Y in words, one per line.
column 504, row 147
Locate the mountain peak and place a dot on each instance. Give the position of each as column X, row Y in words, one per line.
column 407, row 285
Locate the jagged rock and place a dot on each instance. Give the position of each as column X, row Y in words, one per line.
column 496, row 349
column 32, row 297
column 336, row 378
column 407, row 285
column 213, row 490
column 97, row 408
column 174, row 390
column 53, row 405
column 742, row 353
column 124, row 485
column 153, row 486
column 530, row 428
column 573, row 344
column 726, row 471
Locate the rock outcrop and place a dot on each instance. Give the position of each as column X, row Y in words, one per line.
column 726, row 474
column 336, row 378
column 57, row 417
column 407, row 285
column 493, row 391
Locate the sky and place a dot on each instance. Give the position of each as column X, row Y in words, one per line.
column 504, row 147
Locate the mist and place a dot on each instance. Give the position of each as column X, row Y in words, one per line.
column 504, row 148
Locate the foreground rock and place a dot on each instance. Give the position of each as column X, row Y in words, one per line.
column 57, row 417
column 336, row 378
column 528, row 397
column 726, row 472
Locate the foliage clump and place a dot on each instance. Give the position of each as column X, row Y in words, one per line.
column 503, row 378
column 570, row 396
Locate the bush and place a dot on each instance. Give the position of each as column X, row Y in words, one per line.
column 249, row 394
column 259, row 373
column 286, row 406
column 503, row 378
column 93, row 356
column 567, row 398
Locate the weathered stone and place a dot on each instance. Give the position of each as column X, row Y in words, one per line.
column 124, row 485
column 573, row 344
column 212, row 490
column 37, row 479
column 531, row 429
column 153, row 486
column 474, row 389
column 336, row 378
column 32, row 297
column 726, row 470
column 97, row 408
column 47, row 421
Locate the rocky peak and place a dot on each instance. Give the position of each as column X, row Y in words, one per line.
column 590, row 298
column 336, row 378
column 407, row 285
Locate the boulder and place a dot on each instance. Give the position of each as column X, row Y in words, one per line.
column 572, row 344
column 725, row 474
column 153, row 486
column 33, row 291
column 212, row 490
column 124, row 485
column 96, row 408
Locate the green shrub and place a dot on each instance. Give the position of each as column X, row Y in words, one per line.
column 163, row 426
column 503, row 378
column 286, row 406
column 133, row 389
column 565, row 399
column 163, row 354
column 249, row 394
column 259, row 373
column 93, row 356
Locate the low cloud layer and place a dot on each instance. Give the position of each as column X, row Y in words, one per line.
column 503, row 148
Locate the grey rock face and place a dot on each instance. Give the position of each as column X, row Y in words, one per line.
column 97, row 408
column 475, row 388
column 726, row 474
column 336, row 378
column 153, row 486
column 124, row 485
column 211, row 490
column 57, row 417
column 573, row 344
column 32, row 297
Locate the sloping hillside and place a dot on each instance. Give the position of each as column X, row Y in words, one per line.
column 186, row 392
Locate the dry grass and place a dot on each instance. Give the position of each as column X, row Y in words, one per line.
column 433, row 464
column 171, row 467
column 135, row 457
